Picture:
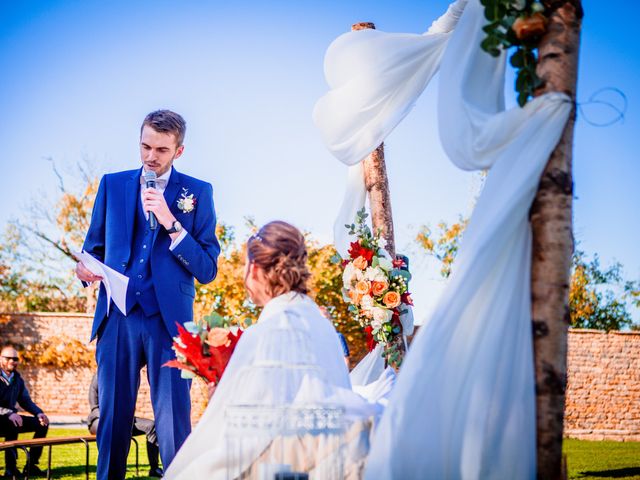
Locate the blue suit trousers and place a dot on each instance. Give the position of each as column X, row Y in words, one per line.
column 125, row 345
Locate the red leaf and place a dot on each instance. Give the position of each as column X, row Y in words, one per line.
column 209, row 365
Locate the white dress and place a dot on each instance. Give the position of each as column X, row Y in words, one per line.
column 291, row 356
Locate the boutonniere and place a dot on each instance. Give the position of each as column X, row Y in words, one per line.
column 186, row 203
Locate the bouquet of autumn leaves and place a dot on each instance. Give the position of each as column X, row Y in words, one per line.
column 374, row 285
column 203, row 349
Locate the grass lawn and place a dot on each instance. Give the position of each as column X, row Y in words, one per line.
column 67, row 461
column 586, row 460
column 602, row 460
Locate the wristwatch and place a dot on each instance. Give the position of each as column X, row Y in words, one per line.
column 175, row 227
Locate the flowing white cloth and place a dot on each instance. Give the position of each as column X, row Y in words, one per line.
column 464, row 403
column 291, row 356
column 375, row 79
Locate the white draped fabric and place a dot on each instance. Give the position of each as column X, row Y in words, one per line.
column 291, row 357
column 375, row 79
column 464, row 402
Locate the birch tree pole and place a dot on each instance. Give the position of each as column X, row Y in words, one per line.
column 377, row 184
column 551, row 219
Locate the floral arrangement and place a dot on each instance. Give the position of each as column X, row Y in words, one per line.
column 186, row 203
column 204, row 349
column 375, row 286
column 519, row 24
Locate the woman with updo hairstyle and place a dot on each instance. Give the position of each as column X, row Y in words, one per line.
column 291, row 356
column 276, row 262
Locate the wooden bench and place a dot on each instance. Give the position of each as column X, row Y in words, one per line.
column 25, row 445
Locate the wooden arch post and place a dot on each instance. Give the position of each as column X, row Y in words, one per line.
column 377, row 184
column 551, row 220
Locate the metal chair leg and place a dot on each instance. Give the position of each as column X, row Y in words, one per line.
column 27, row 453
column 86, row 458
column 137, row 457
column 49, row 464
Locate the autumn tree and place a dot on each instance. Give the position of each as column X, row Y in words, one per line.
column 36, row 249
column 442, row 244
column 598, row 296
column 227, row 297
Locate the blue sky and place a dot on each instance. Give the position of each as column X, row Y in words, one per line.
column 78, row 77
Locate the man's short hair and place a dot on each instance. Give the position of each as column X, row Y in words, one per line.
column 166, row 121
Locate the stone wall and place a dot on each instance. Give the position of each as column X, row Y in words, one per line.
column 65, row 391
column 603, row 393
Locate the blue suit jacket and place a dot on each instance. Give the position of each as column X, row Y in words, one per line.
column 110, row 238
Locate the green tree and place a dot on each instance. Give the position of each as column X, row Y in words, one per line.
column 598, row 296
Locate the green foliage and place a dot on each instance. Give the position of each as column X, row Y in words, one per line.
column 598, row 296
column 502, row 15
column 361, row 230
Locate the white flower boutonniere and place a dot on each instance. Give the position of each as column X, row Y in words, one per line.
column 186, row 203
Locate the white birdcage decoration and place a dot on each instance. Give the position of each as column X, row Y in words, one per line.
column 290, row 433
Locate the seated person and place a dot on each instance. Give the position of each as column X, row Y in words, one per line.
column 289, row 359
column 140, row 426
column 13, row 391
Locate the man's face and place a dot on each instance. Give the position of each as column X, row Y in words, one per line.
column 9, row 359
column 158, row 150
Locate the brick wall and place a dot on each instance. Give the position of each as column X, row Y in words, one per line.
column 66, row 391
column 603, row 393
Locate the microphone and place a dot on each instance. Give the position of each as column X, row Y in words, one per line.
column 150, row 179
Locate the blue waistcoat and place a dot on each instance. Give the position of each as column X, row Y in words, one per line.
column 140, row 290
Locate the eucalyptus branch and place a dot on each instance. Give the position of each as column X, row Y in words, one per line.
column 519, row 24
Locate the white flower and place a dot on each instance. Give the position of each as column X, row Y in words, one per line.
column 366, row 303
column 350, row 275
column 381, row 314
column 186, row 203
column 374, row 274
column 376, row 324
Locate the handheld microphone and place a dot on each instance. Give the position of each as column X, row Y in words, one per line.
column 150, row 179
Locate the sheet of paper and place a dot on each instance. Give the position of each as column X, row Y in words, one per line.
column 114, row 282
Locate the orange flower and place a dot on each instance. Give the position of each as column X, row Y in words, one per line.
column 218, row 337
column 391, row 299
column 355, row 297
column 363, row 287
column 360, row 263
column 378, row 288
column 527, row 27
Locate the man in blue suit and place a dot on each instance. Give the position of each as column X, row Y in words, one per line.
column 161, row 265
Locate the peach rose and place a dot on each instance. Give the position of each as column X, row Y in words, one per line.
column 218, row 337
column 355, row 297
column 527, row 27
column 363, row 287
column 360, row 263
column 391, row 299
column 378, row 288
